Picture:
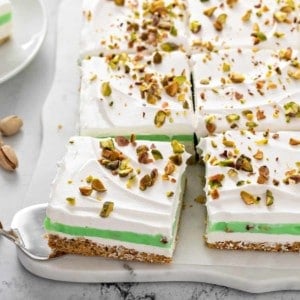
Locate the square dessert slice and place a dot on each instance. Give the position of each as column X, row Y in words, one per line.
column 245, row 89
column 268, row 24
column 117, row 198
column 133, row 26
column 148, row 95
column 5, row 20
column 252, row 189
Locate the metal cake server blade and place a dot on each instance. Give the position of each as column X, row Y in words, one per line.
column 28, row 234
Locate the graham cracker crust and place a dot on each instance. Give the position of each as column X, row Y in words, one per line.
column 4, row 40
column 86, row 247
column 275, row 247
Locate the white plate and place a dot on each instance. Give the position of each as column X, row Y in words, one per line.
column 193, row 261
column 29, row 30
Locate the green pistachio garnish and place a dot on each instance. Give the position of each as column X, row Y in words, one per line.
column 262, row 142
column 251, row 124
column 195, row 26
column 172, row 88
column 280, row 16
column 226, row 163
column 269, row 198
column 209, row 11
column 228, row 143
column 173, row 31
column 177, row 147
column 215, row 181
column 220, row 22
column 232, row 118
column 244, row 163
column 294, row 74
column 107, row 208
column 89, row 179
column 226, row 67
column 157, row 58
column 107, row 144
column 131, row 181
column 106, row 89
column 85, row 190
column 97, row 185
column 169, row 47
column 210, row 124
column 119, row 2
column 156, row 154
column 160, row 118
column 246, row 17
column 236, row 77
column 71, row 200
column 170, row 194
column 248, row 198
column 176, row 159
column 232, row 173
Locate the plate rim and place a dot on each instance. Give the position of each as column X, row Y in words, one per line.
column 30, row 57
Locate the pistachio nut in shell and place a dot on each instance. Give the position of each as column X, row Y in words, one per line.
column 8, row 158
column 10, row 125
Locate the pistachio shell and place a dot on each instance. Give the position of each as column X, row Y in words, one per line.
column 10, row 125
column 8, row 158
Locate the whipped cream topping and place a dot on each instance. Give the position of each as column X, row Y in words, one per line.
column 264, row 24
column 130, row 93
column 256, row 176
column 136, row 26
column 245, row 89
column 151, row 211
column 5, row 19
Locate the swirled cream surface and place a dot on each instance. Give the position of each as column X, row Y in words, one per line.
column 144, row 214
column 133, row 26
column 148, row 95
column 252, row 186
column 246, row 89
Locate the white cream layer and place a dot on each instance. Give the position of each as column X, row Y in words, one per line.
column 279, row 156
column 105, row 27
column 5, row 29
column 145, row 212
column 216, row 96
column 238, row 34
column 124, row 111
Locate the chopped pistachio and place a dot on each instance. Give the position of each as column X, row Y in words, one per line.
column 160, row 118
column 209, row 11
column 107, row 208
column 236, row 77
column 262, row 141
column 232, row 118
column 226, row 163
column 106, row 89
column 226, row 67
column 195, row 26
column 97, row 185
column 246, row 17
column 210, row 124
column 176, row 159
column 131, row 181
column 119, row 2
column 85, row 190
column 169, row 168
column 125, row 172
column 177, row 147
column 156, row 154
column 220, row 22
column 71, row 200
column 259, row 155
column 170, row 194
column 280, row 16
column 200, row 199
column 107, row 144
column 89, row 179
column 214, row 144
column 204, row 81
column 251, row 124
column 248, row 198
column 172, row 88
column 269, row 198
column 294, row 74
column 169, row 47
column 215, row 181
column 232, row 173
column 294, row 142
column 260, row 36
column 244, row 163
column 228, row 143
column 157, row 58
column 173, row 31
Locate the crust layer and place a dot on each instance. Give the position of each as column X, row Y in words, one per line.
column 85, row 247
column 275, row 247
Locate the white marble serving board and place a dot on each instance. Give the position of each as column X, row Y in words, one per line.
column 193, row 261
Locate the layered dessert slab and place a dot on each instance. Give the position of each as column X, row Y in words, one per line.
column 148, row 95
column 5, row 21
column 252, row 190
column 133, row 26
column 264, row 24
column 117, row 198
column 246, row 89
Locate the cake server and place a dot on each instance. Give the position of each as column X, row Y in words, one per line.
column 27, row 232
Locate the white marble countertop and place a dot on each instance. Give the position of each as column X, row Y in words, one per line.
column 24, row 95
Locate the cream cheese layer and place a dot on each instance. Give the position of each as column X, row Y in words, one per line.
column 264, row 24
column 5, row 19
column 245, row 89
column 255, row 179
column 135, row 26
column 128, row 94
column 150, row 213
